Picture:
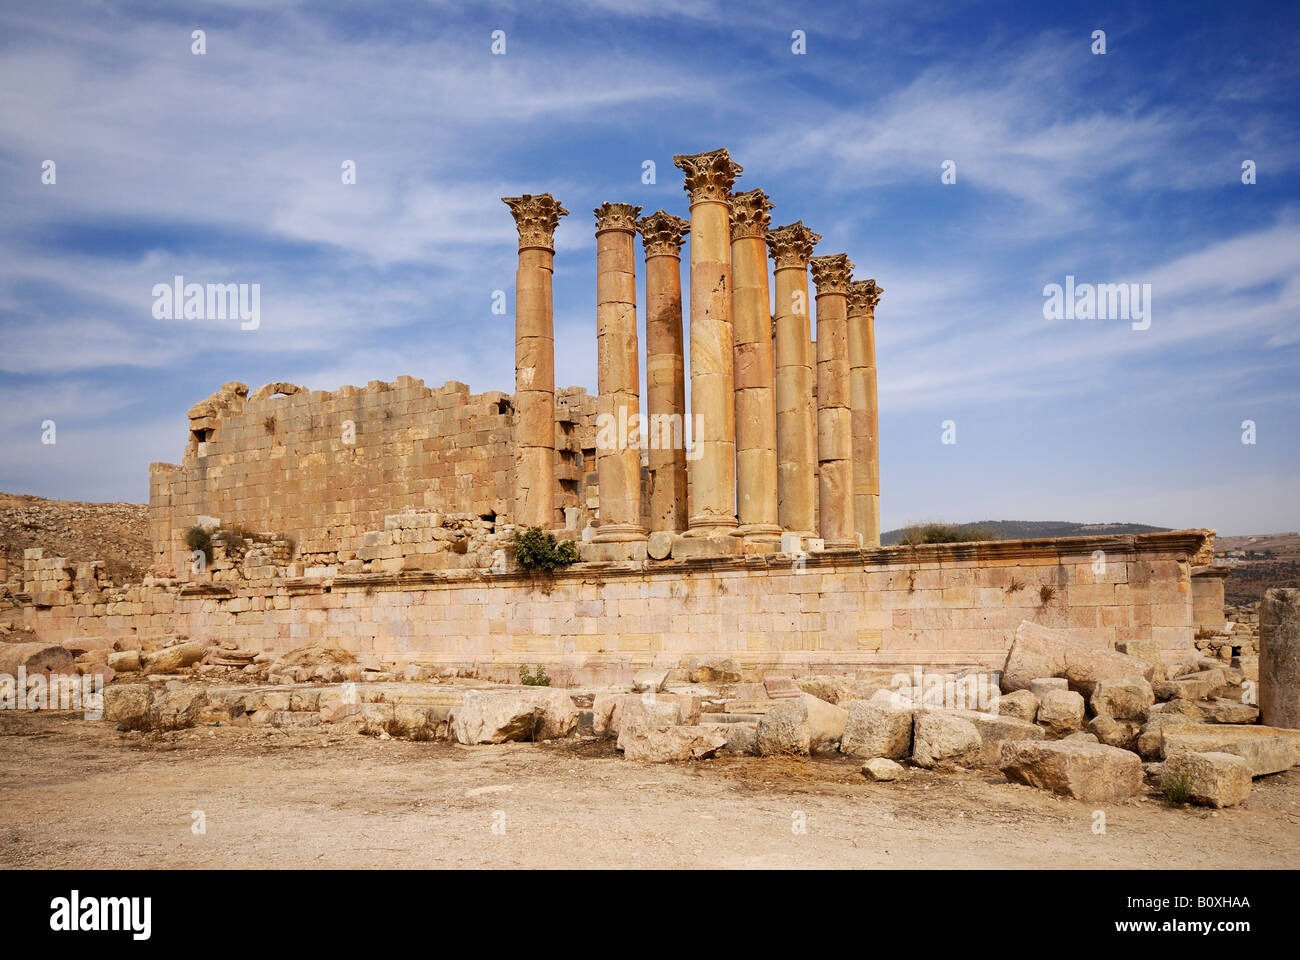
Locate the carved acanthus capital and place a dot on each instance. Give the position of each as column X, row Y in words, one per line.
column 663, row 233
column 864, row 295
column 709, row 176
column 616, row 216
column 536, row 216
column 749, row 216
column 792, row 245
column 832, row 273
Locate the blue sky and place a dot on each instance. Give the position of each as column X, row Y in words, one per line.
column 1124, row 167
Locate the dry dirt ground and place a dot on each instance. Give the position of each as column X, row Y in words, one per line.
column 75, row 793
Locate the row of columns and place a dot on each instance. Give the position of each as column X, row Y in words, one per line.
column 767, row 456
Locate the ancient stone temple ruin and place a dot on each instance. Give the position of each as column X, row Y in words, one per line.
column 745, row 522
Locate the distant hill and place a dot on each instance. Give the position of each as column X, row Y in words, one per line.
column 1027, row 529
column 117, row 533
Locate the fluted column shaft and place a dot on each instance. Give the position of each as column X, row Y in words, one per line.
column 536, row 218
column 862, row 300
column 834, row 403
column 665, row 370
column 796, row 411
column 618, row 454
column 709, row 177
column 751, row 304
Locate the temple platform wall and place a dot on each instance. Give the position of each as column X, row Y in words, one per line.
column 939, row 605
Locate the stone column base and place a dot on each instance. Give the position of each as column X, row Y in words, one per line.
column 618, row 533
column 760, row 537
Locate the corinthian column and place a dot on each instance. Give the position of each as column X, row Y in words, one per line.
column 536, row 218
column 796, row 413
column 863, row 297
column 834, row 405
column 665, row 372
column 618, row 452
column 751, row 304
column 709, row 177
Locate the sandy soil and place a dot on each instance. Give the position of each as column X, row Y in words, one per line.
column 80, row 794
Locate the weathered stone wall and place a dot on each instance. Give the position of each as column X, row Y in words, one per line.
column 325, row 468
column 1207, row 596
column 940, row 605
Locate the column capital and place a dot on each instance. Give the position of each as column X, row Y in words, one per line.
column 792, row 245
column 662, row 233
column 832, row 273
column 709, row 176
column 749, row 214
column 616, row 216
column 536, row 217
column 863, row 296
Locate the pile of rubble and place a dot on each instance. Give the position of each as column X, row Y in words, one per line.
column 1238, row 641
column 117, row 533
column 419, row 540
column 1065, row 716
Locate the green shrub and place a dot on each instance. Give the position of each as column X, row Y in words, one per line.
column 537, row 550
column 197, row 538
column 539, row 679
column 944, row 533
column 1176, row 786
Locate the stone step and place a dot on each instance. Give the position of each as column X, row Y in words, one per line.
column 779, row 688
column 749, row 706
column 730, row 717
column 294, row 718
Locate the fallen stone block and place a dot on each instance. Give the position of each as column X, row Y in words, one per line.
column 1035, row 652
column 1038, row 652
column 492, row 716
column 1115, row 733
column 1128, row 699
column 1085, row 771
column 650, row 732
column 1211, row 779
column 780, row 687
column 876, row 730
column 607, row 709
column 178, row 707
column 994, row 729
column 1192, row 686
column 712, row 670
column 294, row 719
column 1020, row 704
column 1086, row 668
column 1061, row 712
column 1229, row 711
column 1146, row 650
column 742, row 738
column 127, row 661
column 943, row 739
column 36, row 657
column 801, row 726
column 1150, row 742
column 1266, row 750
column 1042, row 686
column 128, row 704
column 171, row 659
column 883, row 770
